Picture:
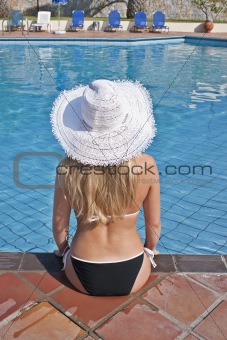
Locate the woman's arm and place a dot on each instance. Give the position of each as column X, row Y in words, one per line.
column 61, row 215
column 151, row 207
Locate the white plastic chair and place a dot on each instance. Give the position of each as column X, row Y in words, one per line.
column 43, row 19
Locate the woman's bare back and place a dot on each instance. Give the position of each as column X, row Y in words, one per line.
column 118, row 240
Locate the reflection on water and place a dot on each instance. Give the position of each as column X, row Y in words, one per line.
column 206, row 92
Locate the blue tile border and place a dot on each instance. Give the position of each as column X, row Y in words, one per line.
column 198, row 40
column 94, row 39
column 207, row 41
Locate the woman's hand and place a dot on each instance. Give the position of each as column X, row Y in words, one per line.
column 155, row 251
column 60, row 253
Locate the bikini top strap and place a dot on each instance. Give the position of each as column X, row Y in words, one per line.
column 151, row 256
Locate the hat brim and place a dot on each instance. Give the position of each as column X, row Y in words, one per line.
column 91, row 147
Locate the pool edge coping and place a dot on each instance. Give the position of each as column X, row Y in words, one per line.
column 127, row 40
column 166, row 263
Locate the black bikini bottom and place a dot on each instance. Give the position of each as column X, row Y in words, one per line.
column 108, row 278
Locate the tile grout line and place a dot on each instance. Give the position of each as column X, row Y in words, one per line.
column 30, row 284
column 175, row 264
column 47, row 297
column 21, row 261
column 121, row 307
column 108, row 316
column 165, row 314
column 187, row 329
column 125, row 304
column 35, row 287
column 185, row 334
column 91, row 334
column 85, row 327
column 203, row 284
column 224, row 260
column 56, row 290
column 197, row 335
column 184, row 327
column 69, row 315
column 148, row 304
column 207, row 312
column 176, row 322
column 160, row 278
column 15, row 315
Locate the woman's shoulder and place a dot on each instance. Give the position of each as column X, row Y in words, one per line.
column 146, row 166
column 144, row 158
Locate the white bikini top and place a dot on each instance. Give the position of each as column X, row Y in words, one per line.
column 132, row 214
column 126, row 215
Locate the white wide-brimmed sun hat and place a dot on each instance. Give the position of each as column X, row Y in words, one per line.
column 104, row 123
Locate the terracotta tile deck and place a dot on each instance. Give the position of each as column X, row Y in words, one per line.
column 38, row 302
column 184, row 298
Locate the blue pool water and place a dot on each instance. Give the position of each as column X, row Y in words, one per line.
column 188, row 85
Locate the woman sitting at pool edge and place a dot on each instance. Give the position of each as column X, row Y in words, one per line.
column 104, row 128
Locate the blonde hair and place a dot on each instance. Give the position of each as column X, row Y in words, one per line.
column 98, row 194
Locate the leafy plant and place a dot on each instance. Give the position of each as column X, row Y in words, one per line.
column 5, row 9
column 136, row 6
column 211, row 8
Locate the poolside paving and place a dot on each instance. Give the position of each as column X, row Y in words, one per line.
column 108, row 35
column 40, row 303
column 184, row 298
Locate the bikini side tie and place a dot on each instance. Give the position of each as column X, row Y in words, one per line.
column 151, row 256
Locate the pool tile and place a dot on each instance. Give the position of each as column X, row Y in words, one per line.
column 214, row 326
column 203, row 217
column 193, row 200
column 138, row 321
column 88, row 309
column 193, row 251
column 22, row 245
column 215, row 281
column 221, row 222
column 206, row 210
column 209, row 236
column 14, row 294
column 192, row 206
column 173, row 217
column 198, row 224
column 42, row 321
column 169, row 224
column 171, row 246
column 185, row 212
column 9, row 236
column 185, row 229
column 44, row 281
column 220, row 206
column 201, row 244
column 178, row 236
column 181, row 298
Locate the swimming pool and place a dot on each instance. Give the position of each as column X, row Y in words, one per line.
column 188, row 84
